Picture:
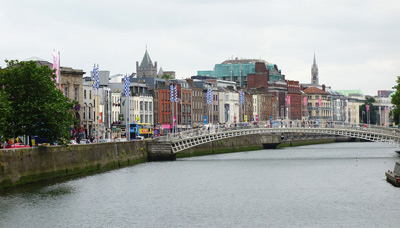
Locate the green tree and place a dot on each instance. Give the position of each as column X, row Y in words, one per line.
column 37, row 107
column 372, row 112
column 167, row 76
column 395, row 113
column 5, row 110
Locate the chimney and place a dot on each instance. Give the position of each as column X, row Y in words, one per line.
column 323, row 87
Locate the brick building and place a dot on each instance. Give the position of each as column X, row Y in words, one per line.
column 294, row 92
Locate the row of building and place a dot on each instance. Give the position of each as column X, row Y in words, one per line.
column 267, row 95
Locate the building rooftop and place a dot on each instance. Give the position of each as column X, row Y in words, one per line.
column 237, row 60
column 314, row 90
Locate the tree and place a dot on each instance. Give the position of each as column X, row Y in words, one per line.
column 372, row 112
column 395, row 113
column 5, row 110
column 167, row 76
column 36, row 106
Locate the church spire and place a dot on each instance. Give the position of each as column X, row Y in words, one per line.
column 314, row 58
column 314, row 73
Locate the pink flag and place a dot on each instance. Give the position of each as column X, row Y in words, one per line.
column 320, row 102
column 56, row 66
column 385, row 110
column 304, row 101
column 367, row 107
column 288, row 100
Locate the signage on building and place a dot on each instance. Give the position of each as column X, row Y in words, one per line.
column 205, row 120
column 143, row 131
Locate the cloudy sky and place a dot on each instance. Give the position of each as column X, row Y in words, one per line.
column 357, row 42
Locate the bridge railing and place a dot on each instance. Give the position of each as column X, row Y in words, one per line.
column 212, row 129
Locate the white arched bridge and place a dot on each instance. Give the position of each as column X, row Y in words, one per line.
column 188, row 139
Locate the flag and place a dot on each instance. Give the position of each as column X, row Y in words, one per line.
column 176, row 93
column 367, row 107
column 288, row 100
column 93, row 76
column 241, row 97
column 320, row 102
column 126, row 86
column 97, row 77
column 385, row 110
column 171, row 91
column 304, row 101
column 56, row 59
column 210, row 97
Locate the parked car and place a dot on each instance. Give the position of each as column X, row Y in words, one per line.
column 17, row 145
column 72, row 142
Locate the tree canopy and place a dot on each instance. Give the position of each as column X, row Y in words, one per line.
column 32, row 104
column 395, row 113
column 372, row 112
column 167, row 76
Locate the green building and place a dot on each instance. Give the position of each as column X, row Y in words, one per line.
column 237, row 70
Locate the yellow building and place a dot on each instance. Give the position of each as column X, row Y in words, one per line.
column 318, row 104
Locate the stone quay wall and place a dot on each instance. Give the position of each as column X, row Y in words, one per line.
column 31, row 165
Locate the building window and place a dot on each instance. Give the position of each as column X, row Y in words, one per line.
column 76, row 93
column 66, row 91
column 90, row 94
column 84, row 94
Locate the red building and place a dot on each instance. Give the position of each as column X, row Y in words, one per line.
column 294, row 92
column 164, row 117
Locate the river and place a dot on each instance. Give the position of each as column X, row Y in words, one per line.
column 326, row 185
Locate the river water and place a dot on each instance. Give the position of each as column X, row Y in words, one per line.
column 327, row 185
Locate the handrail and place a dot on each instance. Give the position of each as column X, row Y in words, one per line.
column 212, row 129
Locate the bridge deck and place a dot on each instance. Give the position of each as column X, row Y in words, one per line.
column 187, row 139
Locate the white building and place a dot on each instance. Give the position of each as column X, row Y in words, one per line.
column 228, row 104
column 142, row 111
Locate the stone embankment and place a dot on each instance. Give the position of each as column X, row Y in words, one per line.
column 31, row 165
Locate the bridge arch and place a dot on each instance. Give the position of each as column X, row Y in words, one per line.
column 189, row 139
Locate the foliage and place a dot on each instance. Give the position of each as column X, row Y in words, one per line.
column 5, row 110
column 36, row 106
column 167, row 76
column 395, row 113
column 363, row 112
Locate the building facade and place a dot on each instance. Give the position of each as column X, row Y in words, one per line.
column 318, row 105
